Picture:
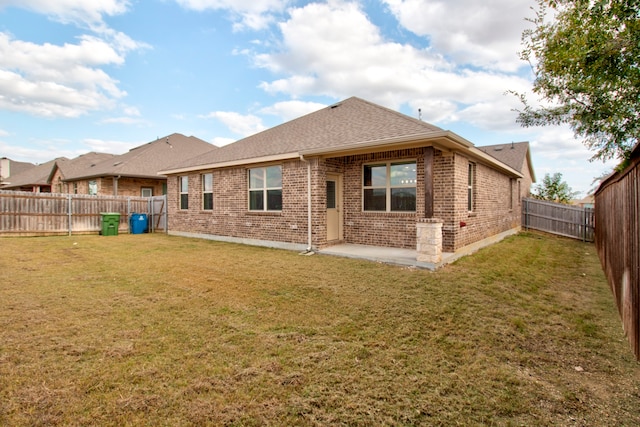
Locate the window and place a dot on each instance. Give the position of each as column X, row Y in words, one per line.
column 511, row 182
column 93, row 188
column 75, row 188
column 471, row 187
column 183, row 182
column 146, row 192
column 265, row 189
column 207, row 191
column 390, row 187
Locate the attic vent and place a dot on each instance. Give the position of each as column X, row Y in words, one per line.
column 117, row 163
column 93, row 164
column 335, row 106
column 497, row 149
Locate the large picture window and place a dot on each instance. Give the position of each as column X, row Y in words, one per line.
column 207, row 191
column 390, row 187
column 265, row 189
column 183, row 182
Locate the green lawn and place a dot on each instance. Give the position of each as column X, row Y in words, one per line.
column 167, row 331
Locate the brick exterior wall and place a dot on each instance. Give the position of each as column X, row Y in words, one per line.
column 496, row 207
column 230, row 215
column 126, row 186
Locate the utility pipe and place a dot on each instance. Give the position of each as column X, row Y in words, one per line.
column 309, row 242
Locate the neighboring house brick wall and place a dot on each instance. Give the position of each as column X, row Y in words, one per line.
column 131, row 186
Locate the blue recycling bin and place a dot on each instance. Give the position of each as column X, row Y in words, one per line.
column 138, row 223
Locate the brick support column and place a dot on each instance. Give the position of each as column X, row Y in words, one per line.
column 429, row 240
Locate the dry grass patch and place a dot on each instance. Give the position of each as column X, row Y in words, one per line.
column 159, row 330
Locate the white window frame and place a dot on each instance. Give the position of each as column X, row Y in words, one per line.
column 207, row 191
column 388, row 187
column 148, row 189
column 93, row 187
column 265, row 188
column 471, row 187
column 183, row 192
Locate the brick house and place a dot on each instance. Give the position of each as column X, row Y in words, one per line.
column 10, row 168
column 354, row 172
column 134, row 173
column 33, row 179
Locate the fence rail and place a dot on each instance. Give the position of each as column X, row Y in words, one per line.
column 558, row 218
column 39, row 214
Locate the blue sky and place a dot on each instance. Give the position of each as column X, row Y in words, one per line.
column 86, row 75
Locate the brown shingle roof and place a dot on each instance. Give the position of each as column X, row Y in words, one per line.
column 37, row 175
column 513, row 154
column 81, row 164
column 17, row 167
column 353, row 120
column 148, row 159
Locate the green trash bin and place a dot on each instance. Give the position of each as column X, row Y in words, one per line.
column 110, row 223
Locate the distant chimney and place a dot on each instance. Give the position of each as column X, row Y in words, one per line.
column 420, row 114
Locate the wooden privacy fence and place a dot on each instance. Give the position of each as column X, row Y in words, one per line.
column 618, row 243
column 41, row 214
column 558, row 218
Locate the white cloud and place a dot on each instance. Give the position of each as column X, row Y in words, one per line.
column 333, row 49
column 240, row 124
column 39, row 151
column 88, row 12
column 53, row 81
column 289, row 110
column 220, row 142
column 485, row 34
column 111, row 147
column 252, row 14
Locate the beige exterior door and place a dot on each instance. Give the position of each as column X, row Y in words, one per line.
column 334, row 207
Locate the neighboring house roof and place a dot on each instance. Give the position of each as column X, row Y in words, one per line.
column 146, row 160
column 15, row 167
column 37, row 175
column 588, row 200
column 513, row 154
column 79, row 165
column 350, row 126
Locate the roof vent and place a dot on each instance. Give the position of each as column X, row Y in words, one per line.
column 335, row 106
column 497, row 149
column 117, row 163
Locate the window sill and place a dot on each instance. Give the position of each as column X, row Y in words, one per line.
column 472, row 214
column 384, row 213
column 265, row 213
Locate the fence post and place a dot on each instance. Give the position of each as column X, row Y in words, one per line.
column 70, row 210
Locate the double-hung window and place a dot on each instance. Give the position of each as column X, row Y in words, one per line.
column 183, row 183
column 471, row 187
column 390, row 187
column 265, row 189
column 93, row 187
column 207, row 191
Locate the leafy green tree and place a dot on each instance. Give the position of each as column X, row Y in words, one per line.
column 554, row 189
column 586, row 64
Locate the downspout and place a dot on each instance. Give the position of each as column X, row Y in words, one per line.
column 309, row 235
